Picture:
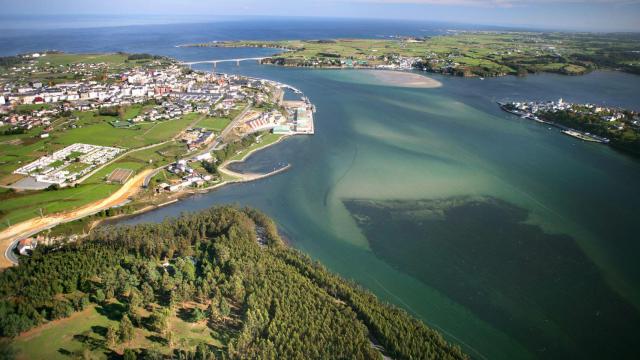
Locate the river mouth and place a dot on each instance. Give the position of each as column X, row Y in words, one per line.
column 480, row 252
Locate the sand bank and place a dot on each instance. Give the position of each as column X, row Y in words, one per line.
column 404, row 79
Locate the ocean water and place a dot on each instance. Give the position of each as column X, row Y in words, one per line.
column 513, row 239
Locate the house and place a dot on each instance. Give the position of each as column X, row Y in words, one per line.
column 25, row 245
column 205, row 156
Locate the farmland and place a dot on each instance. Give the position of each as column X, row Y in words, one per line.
column 465, row 53
column 60, row 67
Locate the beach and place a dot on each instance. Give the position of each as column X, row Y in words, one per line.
column 404, row 79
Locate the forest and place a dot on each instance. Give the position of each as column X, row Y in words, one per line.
column 226, row 269
column 625, row 139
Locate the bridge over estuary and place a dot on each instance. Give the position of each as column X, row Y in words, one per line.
column 215, row 62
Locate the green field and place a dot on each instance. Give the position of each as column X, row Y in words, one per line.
column 84, row 332
column 31, row 107
column 20, row 206
column 214, row 123
column 61, row 67
column 68, row 59
column 266, row 140
column 46, row 341
column 91, row 129
column 160, row 155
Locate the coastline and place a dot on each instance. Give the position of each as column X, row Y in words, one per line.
column 10, row 236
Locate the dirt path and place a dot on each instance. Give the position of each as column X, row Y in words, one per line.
column 29, row 227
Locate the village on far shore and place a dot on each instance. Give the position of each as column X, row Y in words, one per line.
column 614, row 126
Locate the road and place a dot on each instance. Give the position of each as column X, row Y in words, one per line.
column 224, row 132
column 10, row 236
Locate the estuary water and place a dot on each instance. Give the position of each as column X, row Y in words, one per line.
column 514, row 240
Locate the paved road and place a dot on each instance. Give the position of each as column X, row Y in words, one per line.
column 224, row 132
column 11, row 235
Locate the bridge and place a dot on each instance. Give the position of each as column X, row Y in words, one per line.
column 215, row 62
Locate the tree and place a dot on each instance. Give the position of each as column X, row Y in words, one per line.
column 129, row 354
column 7, row 351
column 197, row 315
column 214, row 312
column 147, row 293
column 225, row 310
column 61, row 309
column 99, row 296
column 135, row 318
column 126, row 329
column 111, row 337
column 210, row 167
column 160, row 320
column 135, row 300
column 169, row 337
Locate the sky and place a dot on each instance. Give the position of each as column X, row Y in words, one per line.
column 579, row 15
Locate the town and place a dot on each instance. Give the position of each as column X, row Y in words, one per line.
column 145, row 95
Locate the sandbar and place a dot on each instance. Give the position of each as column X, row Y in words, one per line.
column 404, row 79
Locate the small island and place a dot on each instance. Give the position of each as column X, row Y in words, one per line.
column 460, row 53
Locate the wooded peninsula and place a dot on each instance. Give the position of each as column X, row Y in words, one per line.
column 218, row 284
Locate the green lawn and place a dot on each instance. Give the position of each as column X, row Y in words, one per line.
column 67, row 338
column 54, row 340
column 31, row 107
column 266, row 140
column 75, row 167
column 67, row 59
column 214, row 123
column 27, row 205
column 124, row 163
column 160, row 155
column 91, row 130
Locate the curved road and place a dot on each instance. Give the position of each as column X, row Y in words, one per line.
column 10, row 236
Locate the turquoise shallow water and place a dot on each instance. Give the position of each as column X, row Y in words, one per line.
column 571, row 205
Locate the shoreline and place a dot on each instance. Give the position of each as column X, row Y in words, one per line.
column 15, row 234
